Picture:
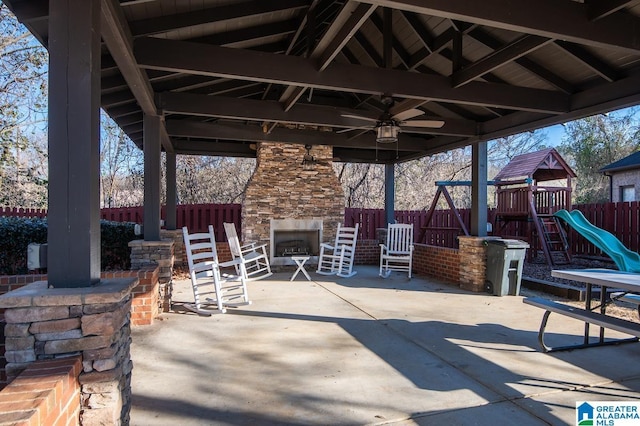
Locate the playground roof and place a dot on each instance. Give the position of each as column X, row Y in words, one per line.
column 629, row 162
column 543, row 165
column 227, row 73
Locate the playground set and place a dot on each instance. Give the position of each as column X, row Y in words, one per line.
column 530, row 211
column 525, row 206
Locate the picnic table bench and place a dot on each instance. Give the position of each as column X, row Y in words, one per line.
column 605, row 278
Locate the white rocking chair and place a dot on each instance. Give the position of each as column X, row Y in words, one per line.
column 253, row 257
column 338, row 258
column 397, row 253
column 206, row 278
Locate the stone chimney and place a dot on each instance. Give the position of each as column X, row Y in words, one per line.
column 283, row 188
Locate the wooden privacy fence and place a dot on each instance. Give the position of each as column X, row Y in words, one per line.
column 20, row 212
column 196, row 217
column 621, row 219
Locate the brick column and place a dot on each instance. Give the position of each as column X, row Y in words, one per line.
column 473, row 263
column 94, row 322
column 161, row 253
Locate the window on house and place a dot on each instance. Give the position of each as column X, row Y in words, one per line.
column 627, row 193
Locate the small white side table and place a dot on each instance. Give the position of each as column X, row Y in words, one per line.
column 300, row 261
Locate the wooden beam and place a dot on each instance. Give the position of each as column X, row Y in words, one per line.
column 122, row 97
column 591, row 61
column 313, row 115
column 601, row 99
column 193, row 58
column 402, row 53
column 370, row 50
column 32, row 10
column 229, row 12
column 248, row 36
column 437, row 46
column 344, row 26
column 254, row 133
column 212, row 147
column 116, row 35
column 419, row 29
column 563, row 20
column 545, row 74
column 598, row 9
column 511, row 52
column 352, row 16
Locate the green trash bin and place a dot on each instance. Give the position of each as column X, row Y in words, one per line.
column 505, row 259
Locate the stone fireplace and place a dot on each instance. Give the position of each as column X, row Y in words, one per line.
column 289, row 206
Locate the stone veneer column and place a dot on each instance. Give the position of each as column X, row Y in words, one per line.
column 473, row 263
column 179, row 255
column 144, row 253
column 282, row 188
column 94, row 322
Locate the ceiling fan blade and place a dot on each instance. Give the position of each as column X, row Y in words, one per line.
column 359, row 117
column 350, row 129
column 433, row 124
column 405, row 115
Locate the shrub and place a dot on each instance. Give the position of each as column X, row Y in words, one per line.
column 114, row 245
column 16, row 233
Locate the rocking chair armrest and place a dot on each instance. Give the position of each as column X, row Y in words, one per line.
column 247, row 248
column 202, row 266
column 327, row 246
column 385, row 249
column 228, row 263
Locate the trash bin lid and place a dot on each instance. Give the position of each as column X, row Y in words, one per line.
column 515, row 244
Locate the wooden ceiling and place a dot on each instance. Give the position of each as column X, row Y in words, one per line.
column 227, row 73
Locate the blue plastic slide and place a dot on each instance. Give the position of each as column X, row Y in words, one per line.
column 625, row 259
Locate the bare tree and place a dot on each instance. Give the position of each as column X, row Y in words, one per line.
column 363, row 184
column 120, row 159
column 592, row 143
column 204, row 179
column 23, row 87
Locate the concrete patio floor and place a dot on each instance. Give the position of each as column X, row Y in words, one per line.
column 366, row 350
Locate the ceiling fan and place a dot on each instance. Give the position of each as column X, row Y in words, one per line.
column 388, row 125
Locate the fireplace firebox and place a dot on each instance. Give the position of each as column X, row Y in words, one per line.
column 294, row 237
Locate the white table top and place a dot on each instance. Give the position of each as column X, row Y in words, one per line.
column 603, row 277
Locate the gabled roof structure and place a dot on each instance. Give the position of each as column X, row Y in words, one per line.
column 225, row 74
column 630, row 162
column 543, row 165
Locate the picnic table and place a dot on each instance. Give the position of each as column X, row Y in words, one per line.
column 625, row 282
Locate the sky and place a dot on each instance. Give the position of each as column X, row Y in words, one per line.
column 555, row 134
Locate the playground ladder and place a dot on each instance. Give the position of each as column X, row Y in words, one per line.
column 552, row 238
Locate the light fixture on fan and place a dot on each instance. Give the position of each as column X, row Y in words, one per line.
column 387, row 132
column 388, row 124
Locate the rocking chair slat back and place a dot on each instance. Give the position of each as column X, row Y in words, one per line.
column 400, row 238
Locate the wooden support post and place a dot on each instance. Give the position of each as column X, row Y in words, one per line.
column 170, row 215
column 479, row 189
column 389, row 194
column 74, row 143
column 151, row 149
